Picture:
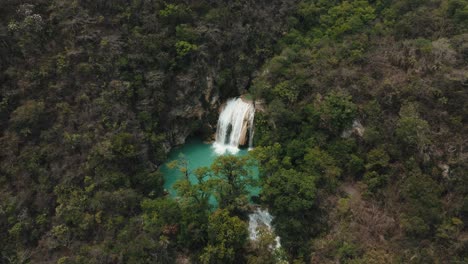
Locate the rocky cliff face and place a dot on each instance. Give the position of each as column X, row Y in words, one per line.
column 193, row 109
column 222, row 66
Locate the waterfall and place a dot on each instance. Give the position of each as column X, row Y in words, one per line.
column 234, row 121
column 251, row 129
column 261, row 218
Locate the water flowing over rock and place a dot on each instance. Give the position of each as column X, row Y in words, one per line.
column 258, row 219
column 235, row 125
column 357, row 128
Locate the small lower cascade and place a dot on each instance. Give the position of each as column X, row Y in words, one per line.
column 235, row 120
column 261, row 218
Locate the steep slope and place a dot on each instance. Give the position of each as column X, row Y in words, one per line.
column 94, row 94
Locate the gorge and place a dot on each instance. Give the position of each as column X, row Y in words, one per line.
column 141, row 132
column 234, row 131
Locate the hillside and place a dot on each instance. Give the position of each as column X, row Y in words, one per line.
column 361, row 141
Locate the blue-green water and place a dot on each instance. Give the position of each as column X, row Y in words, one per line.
column 198, row 154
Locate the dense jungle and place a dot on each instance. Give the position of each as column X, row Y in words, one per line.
column 361, row 134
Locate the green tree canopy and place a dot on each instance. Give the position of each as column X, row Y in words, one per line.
column 227, row 236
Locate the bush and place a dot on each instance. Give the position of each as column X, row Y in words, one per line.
column 29, row 117
column 336, row 112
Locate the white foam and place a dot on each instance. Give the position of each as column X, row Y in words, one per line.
column 221, row 149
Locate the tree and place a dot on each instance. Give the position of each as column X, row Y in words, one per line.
column 336, row 112
column 269, row 158
column 227, row 236
column 377, row 168
column 28, row 118
column 183, row 48
column 197, row 193
column 161, row 216
column 348, row 17
column 458, row 9
column 412, row 130
column 233, row 179
column 194, row 199
column 291, row 197
column 28, row 30
column 319, row 162
column 422, row 205
column 161, row 222
column 289, row 191
column 228, row 180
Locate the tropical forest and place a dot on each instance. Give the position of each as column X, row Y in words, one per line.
column 233, row 131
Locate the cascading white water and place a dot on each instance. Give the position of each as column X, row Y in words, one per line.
column 261, row 218
column 251, row 128
column 236, row 118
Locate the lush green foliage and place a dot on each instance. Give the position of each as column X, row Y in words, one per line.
column 361, row 143
column 93, row 94
column 360, row 113
column 226, row 238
